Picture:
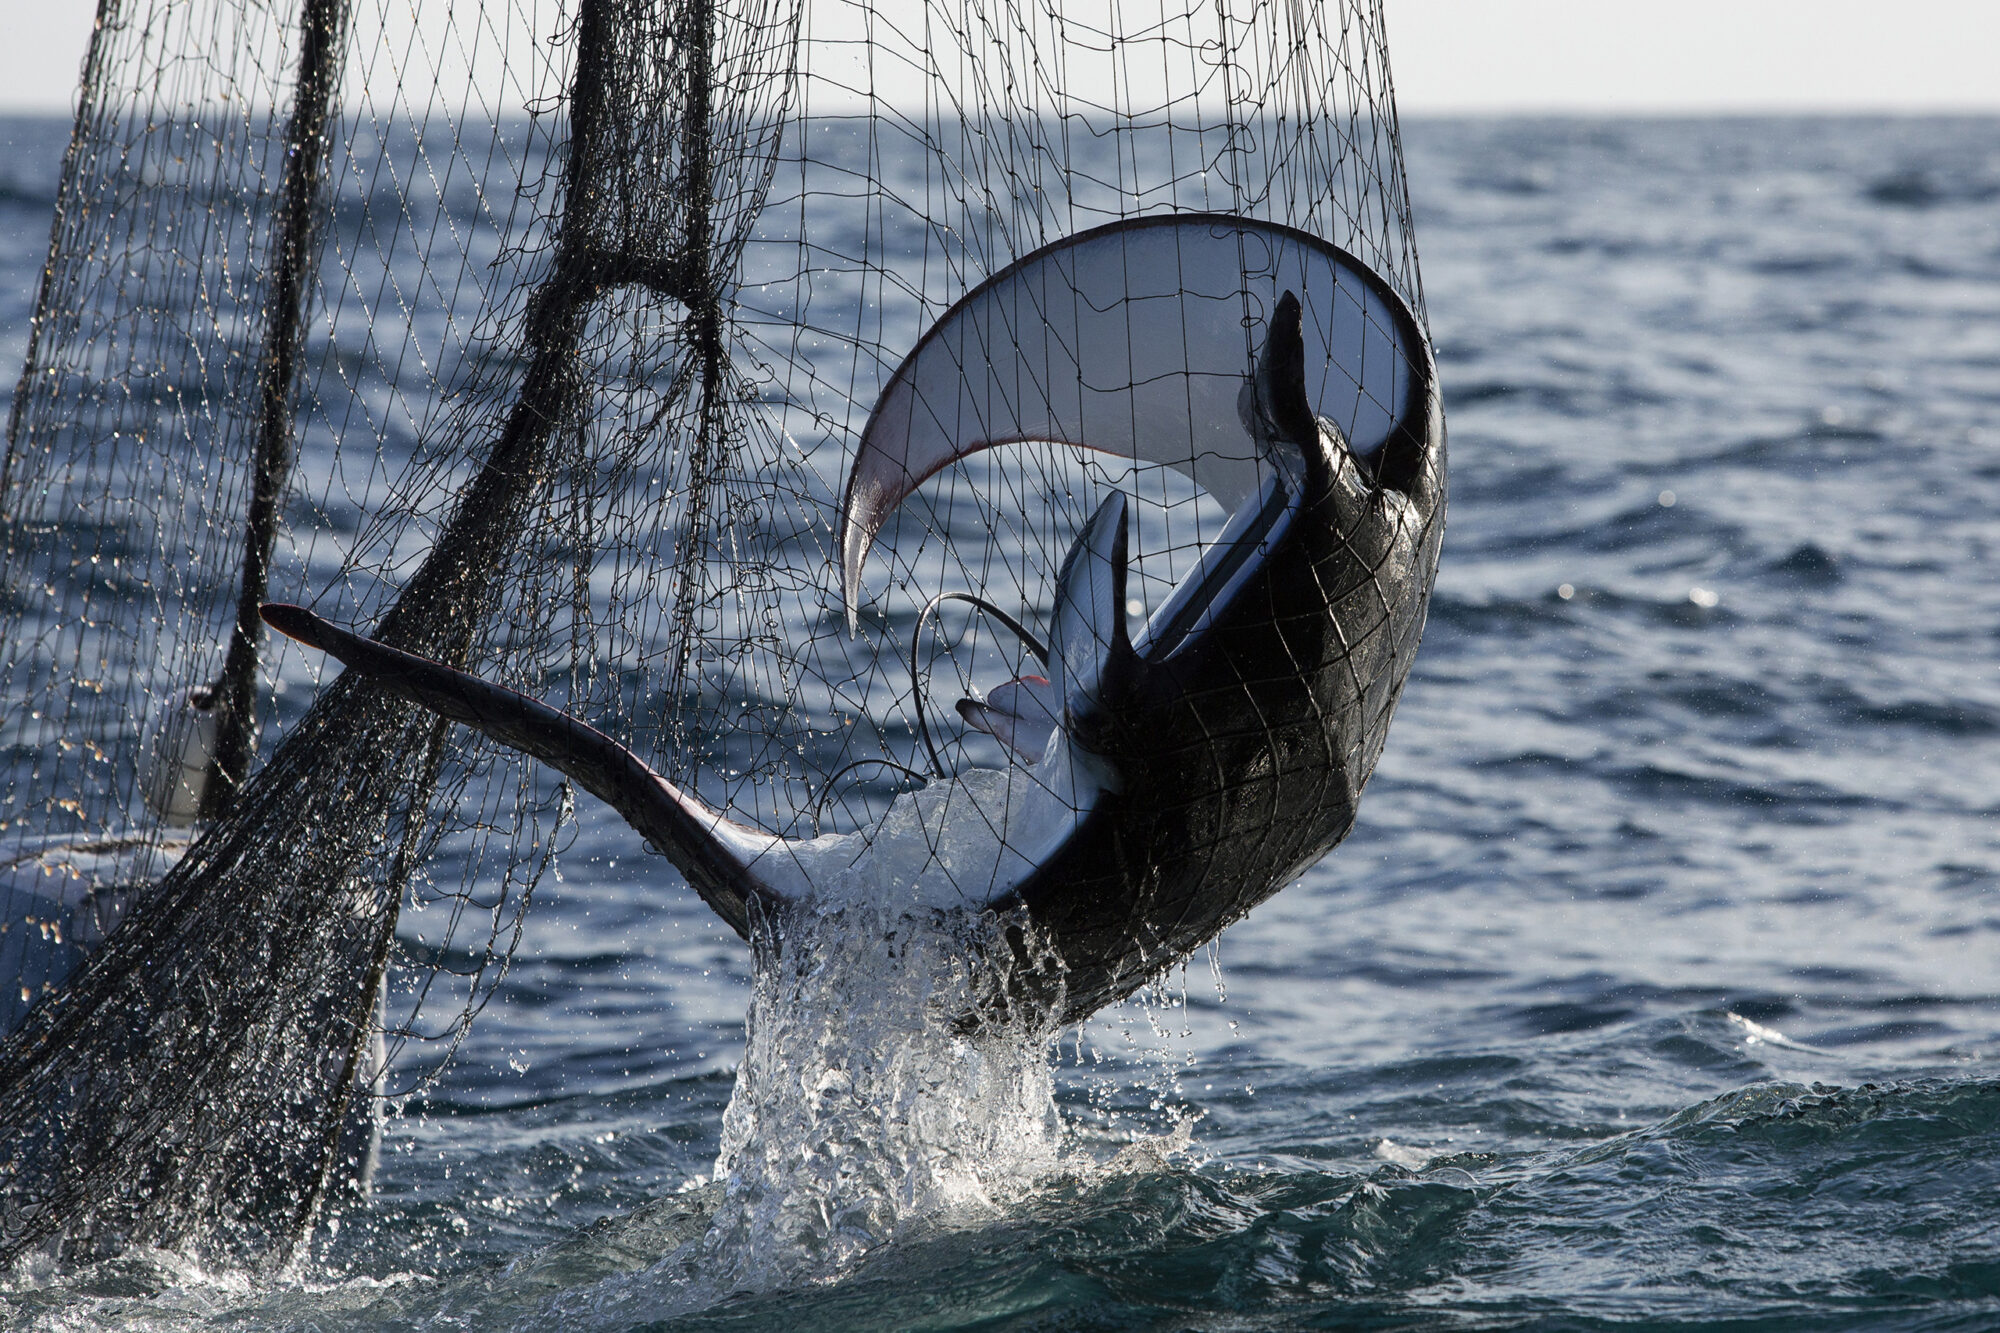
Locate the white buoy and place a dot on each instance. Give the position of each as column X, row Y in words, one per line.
column 178, row 758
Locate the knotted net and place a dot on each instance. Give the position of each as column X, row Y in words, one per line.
column 533, row 337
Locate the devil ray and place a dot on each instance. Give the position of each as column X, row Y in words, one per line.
column 516, row 368
column 1175, row 780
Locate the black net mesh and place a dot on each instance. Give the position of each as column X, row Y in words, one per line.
column 542, row 336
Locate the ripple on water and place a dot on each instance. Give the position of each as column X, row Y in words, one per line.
column 1660, row 960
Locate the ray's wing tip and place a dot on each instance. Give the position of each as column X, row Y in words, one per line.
column 294, row 622
column 853, row 549
column 861, row 515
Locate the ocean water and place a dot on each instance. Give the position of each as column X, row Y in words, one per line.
column 1659, row 986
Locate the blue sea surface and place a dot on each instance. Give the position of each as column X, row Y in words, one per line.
column 1659, row 986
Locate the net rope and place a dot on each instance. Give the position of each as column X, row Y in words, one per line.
column 592, row 303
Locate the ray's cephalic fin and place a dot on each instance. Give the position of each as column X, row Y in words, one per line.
column 1092, row 663
column 727, row 863
column 1275, row 406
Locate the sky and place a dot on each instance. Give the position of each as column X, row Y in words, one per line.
column 1672, row 56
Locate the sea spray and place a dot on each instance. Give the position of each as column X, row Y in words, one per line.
column 893, row 1069
column 897, row 1072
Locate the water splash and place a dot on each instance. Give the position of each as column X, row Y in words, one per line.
column 866, row 1101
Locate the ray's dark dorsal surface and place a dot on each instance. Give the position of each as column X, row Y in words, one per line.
column 1197, row 769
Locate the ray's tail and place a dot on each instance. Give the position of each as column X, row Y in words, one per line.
column 714, row 852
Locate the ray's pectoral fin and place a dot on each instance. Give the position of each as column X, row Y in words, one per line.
column 715, row 853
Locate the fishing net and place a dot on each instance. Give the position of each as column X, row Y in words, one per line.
column 534, row 338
